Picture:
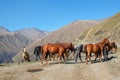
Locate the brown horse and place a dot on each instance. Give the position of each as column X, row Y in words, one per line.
column 97, row 49
column 68, row 48
column 53, row 49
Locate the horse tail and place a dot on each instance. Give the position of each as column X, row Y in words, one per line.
column 35, row 51
column 115, row 47
column 41, row 50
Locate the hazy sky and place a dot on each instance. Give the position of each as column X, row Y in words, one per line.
column 52, row 14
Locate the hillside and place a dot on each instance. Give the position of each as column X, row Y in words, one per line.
column 33, row 34
column 3, row 30
column 110, row 28
column 12, row 42
column 66, row 34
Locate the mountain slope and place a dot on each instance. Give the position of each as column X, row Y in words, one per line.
column 65, row 34
column 110, row 28
column 13, row 42
column 32, row 33
column 10, row 44
column 3, row 30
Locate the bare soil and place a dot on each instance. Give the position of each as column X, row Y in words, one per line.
column 108, row 70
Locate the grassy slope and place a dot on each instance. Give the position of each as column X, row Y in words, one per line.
column 110, row 28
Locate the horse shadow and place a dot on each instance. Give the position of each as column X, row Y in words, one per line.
column 2, row 65
column 110, row 58
column 69, row 62
column 34, row 70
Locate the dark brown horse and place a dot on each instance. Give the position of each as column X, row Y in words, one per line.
column 113, row 47
column 109, row 48
column 53, row 49
column 97, row 49
column 69, row 48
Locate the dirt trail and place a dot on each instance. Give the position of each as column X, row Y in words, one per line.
column 68, row 71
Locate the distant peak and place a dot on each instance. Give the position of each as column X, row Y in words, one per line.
column 3, row 30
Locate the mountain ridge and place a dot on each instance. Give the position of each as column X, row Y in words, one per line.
column 13, row 42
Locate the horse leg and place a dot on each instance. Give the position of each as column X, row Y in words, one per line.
column 90, row 58
column 63, row 58
column 86, row 58
column 59, row 55
column 49, row 54
column 42, row 57
column 76, row 57
column 80, row 56
column 36, row 57
column 107, row 56
column 96, row 55
column 100, row 57
column 46, row 57
column 54, row 57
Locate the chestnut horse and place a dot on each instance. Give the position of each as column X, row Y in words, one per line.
column 69, row 48
column 97, row 49
column 53, row 49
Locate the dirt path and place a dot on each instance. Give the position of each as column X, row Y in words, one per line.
column 69, row 71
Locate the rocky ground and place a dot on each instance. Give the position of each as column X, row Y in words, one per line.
column 109, row 70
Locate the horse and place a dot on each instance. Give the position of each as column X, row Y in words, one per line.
column 113, row 47
column 53, row 49
column 97, row 49
column 25, row 56
column 107, row 48
column 37, row 52
column 78, row 49
column 69, row 48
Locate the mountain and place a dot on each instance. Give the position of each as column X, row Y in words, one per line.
column 13, row 42
column 109, row 28
column 3, row 30
column 33, row 33
column 67, row 33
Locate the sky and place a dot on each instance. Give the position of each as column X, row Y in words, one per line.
column 51, row 15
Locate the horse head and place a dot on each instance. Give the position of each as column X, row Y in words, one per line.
column 113, row 47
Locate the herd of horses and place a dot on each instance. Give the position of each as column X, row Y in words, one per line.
column 64, row 50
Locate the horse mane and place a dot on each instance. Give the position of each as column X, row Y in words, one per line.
column 103, row 41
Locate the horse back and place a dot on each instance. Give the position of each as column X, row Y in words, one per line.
column 92, row 48
column 55, row 48
column 67, row 45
